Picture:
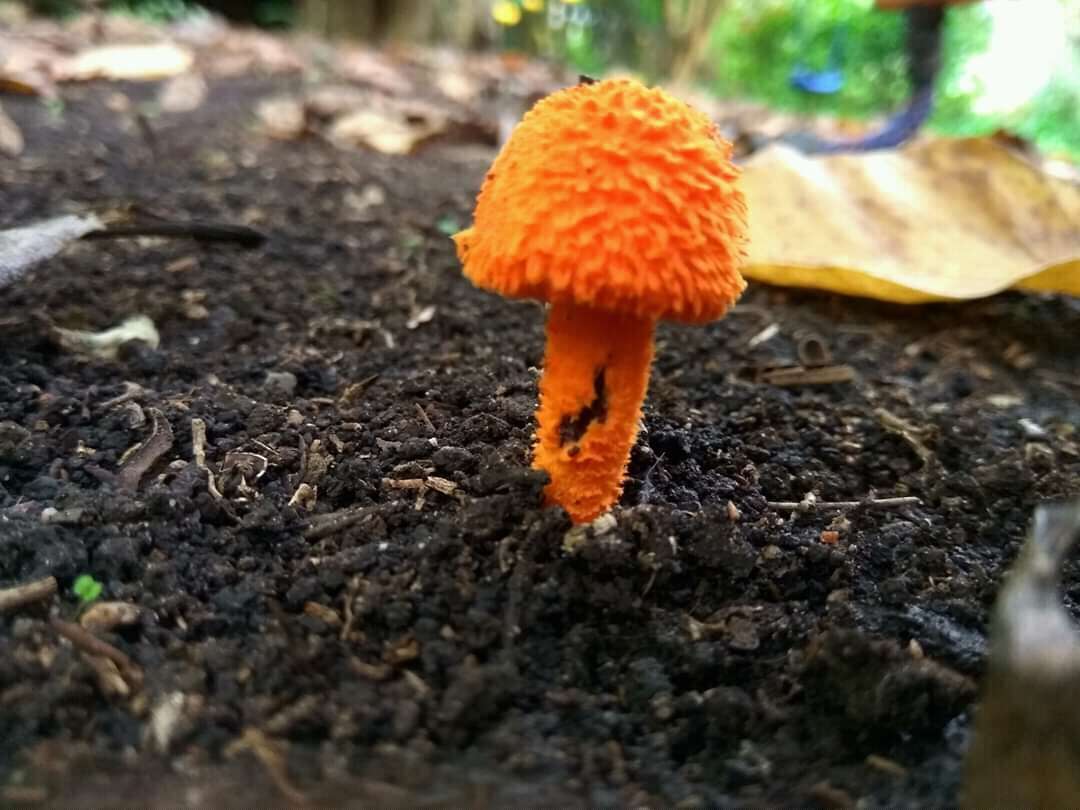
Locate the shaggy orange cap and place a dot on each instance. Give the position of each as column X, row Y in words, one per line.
column 613, row 195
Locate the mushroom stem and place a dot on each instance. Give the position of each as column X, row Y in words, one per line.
column 596, row 371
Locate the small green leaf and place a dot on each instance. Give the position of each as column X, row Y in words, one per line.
column 86, row 588
column 448, row 225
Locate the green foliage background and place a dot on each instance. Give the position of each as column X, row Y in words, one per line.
column 755, row 45
column 268, row 13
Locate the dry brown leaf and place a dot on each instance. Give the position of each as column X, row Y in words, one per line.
column 240, row 51
column 937, row 220
column 391, row 130
column 373, row 69
column 333, row 100
column 457, row 86
column 25, row 66
column 282, row 118
column 117, row 29
column 183, row 93
column 127, row 63
column 106, row 344
column 11, row 139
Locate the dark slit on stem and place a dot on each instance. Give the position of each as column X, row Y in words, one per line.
column 572, row 428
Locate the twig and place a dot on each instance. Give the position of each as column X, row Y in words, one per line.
column 424, row 417
column 353, row 393
column 766, row 334
column 88, row 642
column 272, row 759
column 131, row 391
column 198, row 450
column 16, row 597
column 139, row 462
column 910, row 433
column 325, row 525
column 91, row 644
column 799, row 375
column 347, row 608
column 147, row 132
column 1055, row 377
column 810, row 504
column 202, row 231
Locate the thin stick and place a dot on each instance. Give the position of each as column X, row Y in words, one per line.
column 798, row 375
column 89, row 643
column 912, row 434
column 146, row 455
column 16, row 597
column 200, row 231
column 273, row 759
column 809, row 506
column 325, row 525
column 424, row 417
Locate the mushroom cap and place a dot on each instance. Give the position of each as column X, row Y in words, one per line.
column 616, row 196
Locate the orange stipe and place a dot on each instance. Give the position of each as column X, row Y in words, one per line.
column 596, row 370
column 618, row 204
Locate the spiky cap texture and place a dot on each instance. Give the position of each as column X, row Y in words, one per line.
column 613, row 195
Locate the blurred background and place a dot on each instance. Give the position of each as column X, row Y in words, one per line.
column 1010, row 65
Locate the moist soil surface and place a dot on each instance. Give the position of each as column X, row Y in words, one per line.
column 349, row 589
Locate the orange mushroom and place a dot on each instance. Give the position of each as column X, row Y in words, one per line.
column 617, row 204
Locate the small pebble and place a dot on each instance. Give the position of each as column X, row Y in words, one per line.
column 1033, row 431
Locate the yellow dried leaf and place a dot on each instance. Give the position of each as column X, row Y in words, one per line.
column 936, row 220
column 392, row 130
column 11, row 139
column 127, row 63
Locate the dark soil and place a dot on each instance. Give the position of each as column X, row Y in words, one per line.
column 438, row 643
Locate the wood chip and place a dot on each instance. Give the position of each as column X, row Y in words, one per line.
column 914, row 435
column 11, row 138
column 810, row 504
column 139, row 461
column 354, row 393
column 886, row 765
column 323, row 613
column 800, row 375
column 198, row 450
column 305, row 497
column 282, row 118
column 830, row 797
column 93, row 646
column 20, row 795
column 414, row 484
column 110, row 680
column 101, row 617
column 441, row 485
column 766, row 334
column 325, row 525
column 272, row 756
column 28, row 593
column 372, row 672
column 424, row 417
column 402, row 651
column 183, row 93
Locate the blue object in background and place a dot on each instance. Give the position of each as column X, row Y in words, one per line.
column 830, row 79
